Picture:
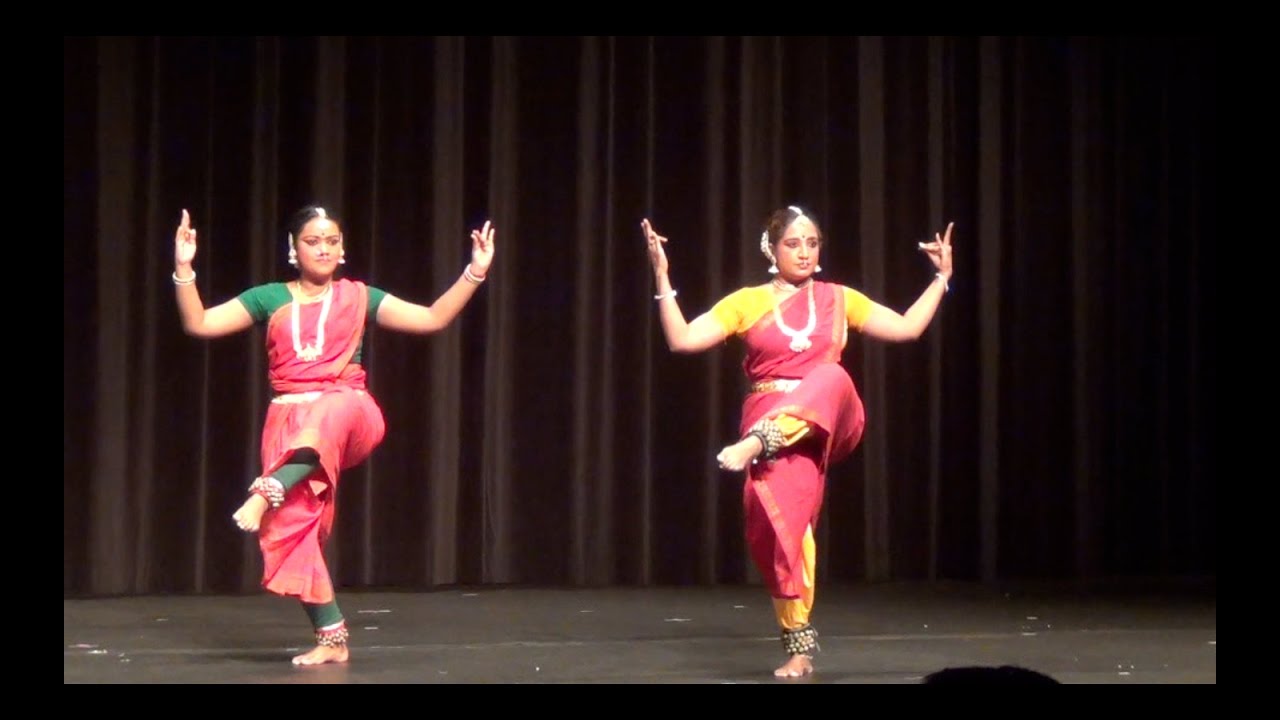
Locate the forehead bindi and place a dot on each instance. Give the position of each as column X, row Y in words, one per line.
column 802, row 228
column 320, row 228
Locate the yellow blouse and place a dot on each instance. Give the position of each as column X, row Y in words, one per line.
column 739, row 310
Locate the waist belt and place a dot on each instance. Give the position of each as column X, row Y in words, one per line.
column 768, row 386
column 296, row 398
column 302, row 397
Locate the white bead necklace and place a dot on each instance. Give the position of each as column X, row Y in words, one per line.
column 311, row 352
column 799, row 338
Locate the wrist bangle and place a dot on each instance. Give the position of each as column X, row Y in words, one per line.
column 183, row 281
column 946, row 286
column 672, row 294
column 471, row 277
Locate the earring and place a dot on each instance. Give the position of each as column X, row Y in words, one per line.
column 764, row 249
column 293, row 252
column 342, row 259
column 818, row 269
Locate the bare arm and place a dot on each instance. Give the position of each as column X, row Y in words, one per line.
column 682, row 337
column 225, row 319
column 404, row 316
column 886, row 324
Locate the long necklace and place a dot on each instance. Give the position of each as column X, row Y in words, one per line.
column 799, row 338
column 311, row 352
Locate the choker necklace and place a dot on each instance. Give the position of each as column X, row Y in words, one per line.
column 784, row 285
column 799, row 338
column 311, row 352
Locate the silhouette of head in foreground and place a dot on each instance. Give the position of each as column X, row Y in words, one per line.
column 980, row 675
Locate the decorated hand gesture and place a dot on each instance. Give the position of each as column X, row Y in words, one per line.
column 657, row 256
column 184, row 242
column 939, row 251
column 482, row 249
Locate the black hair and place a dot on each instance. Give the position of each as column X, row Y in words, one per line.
column 305, row 215
column 779, row 220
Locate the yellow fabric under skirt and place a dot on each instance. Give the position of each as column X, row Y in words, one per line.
column 793, row 614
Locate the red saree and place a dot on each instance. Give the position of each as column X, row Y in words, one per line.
column 783, row 496
column 343, row 424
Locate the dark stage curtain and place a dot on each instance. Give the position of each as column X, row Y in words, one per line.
column 1054, row 422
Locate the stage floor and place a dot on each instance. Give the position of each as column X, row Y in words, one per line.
column 894, row 633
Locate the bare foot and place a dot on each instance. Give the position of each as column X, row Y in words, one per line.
column 797, row 666
column 323, row 654
column 249, row 517
column 740, row 454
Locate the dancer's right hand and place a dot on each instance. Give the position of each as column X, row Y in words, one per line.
column 184, row 242
column 657, row 256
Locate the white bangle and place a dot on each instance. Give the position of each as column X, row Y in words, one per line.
column 183, row 281
column 946, row 286
column 665, row 295
column 470, row 277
